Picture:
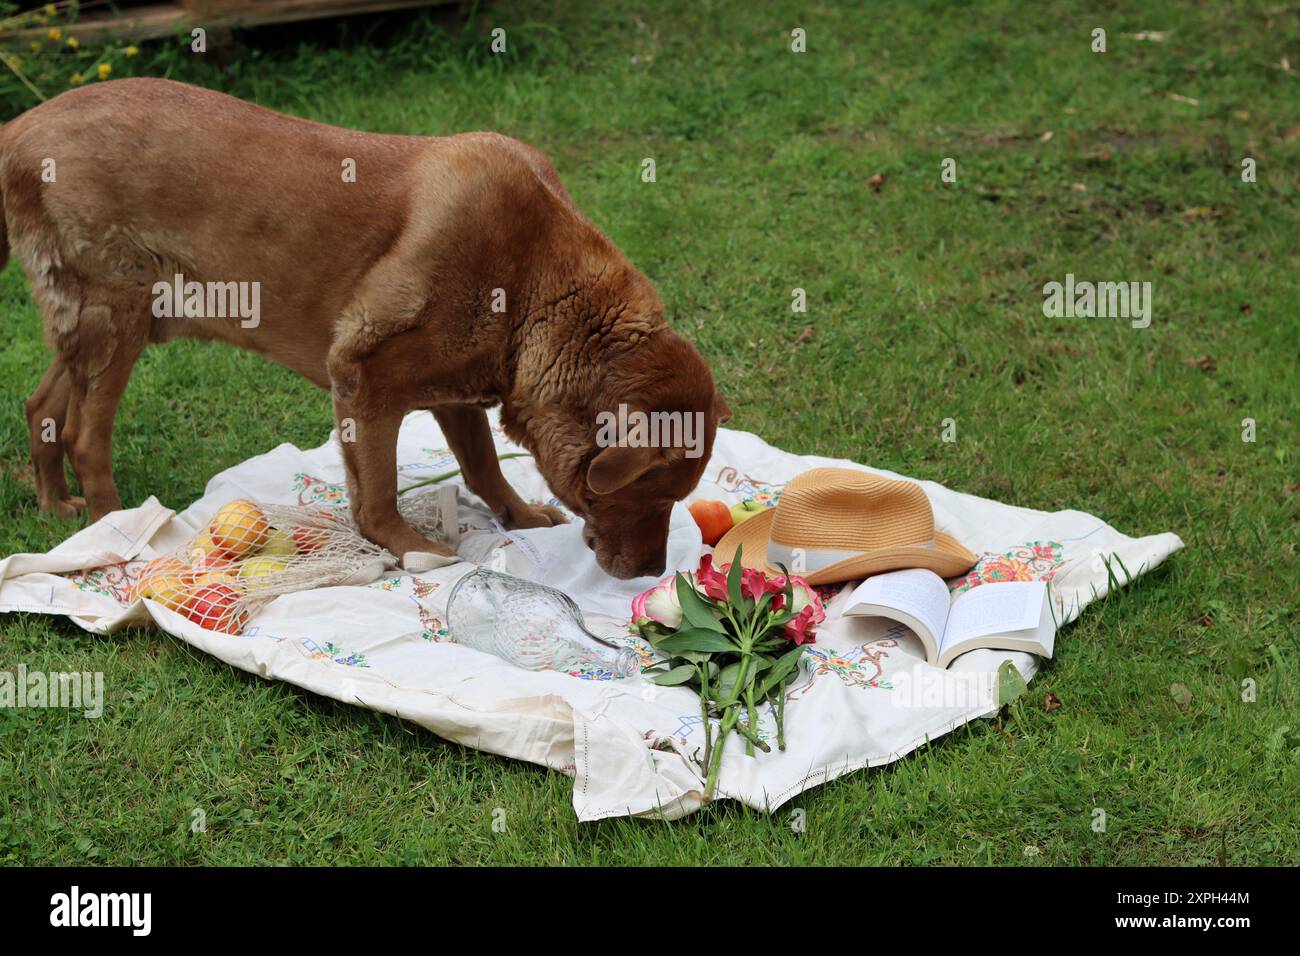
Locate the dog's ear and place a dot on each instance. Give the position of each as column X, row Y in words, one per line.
column 721, row 411
column 620, row 465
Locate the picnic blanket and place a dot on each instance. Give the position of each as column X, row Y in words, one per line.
column 864, row 696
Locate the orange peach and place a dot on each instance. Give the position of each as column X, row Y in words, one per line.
column 239, row 528
column 166, row 581
column 713, row 518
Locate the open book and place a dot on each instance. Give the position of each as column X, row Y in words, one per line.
column 1005, row 616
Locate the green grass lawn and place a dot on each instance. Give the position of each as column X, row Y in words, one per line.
column 924, row 303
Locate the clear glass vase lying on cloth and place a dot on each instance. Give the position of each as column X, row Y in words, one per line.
column 529, row 625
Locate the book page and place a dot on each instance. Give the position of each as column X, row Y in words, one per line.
column 1000, row 608
column 919, row 592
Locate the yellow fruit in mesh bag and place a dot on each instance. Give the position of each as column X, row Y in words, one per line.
column 166, row 581
column 239, row 528
column 216, row 572
column 259, row 568
column 205, row 550
column 278, row 542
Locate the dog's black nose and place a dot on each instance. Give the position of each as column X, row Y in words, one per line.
column 654, row 569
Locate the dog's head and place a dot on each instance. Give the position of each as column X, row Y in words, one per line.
column 654, row 429
column 646, row 439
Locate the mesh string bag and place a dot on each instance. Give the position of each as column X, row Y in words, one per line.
column 249, row 554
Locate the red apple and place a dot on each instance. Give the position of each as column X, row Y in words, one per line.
column 215, row 607
column 713, row 518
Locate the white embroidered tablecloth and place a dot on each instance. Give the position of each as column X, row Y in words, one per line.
column 865, row 695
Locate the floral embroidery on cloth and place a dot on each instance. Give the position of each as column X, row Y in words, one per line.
column 749, row 489
column 441, row 459
column 317, row 491
column 1031, row 561
column 112, row 580
column 332, row 652
column 432, row 627
column 858, row 667
column 596, row 670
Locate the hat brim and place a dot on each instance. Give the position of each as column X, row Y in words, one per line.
column 947, row 558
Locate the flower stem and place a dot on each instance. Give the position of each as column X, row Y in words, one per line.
column 752, row 738
column 751, row 718
column 780, row 715
column 728, row 722
column 704, row 711
column 456, row 471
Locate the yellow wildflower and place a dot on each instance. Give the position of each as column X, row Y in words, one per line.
column 104, row 70
column 74, row 42
column 54, row 33
column 76, row 79
column 51, row 9
column 132, row 50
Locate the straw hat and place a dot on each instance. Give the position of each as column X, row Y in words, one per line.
column 845, row 524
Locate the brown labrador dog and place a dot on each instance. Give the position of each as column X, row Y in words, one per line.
column 400, row 272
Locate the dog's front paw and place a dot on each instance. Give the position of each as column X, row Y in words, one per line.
column 536, row 516
column 64, row 507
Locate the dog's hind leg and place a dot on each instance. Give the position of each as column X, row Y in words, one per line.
column 99, row 359
column 470, row 439
column 47, row 413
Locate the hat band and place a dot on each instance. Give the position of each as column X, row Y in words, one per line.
column 807, row 560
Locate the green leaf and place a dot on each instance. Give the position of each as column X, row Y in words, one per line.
column 695, row 609
column 785, row 665
column 696, row 639
column 695, row 657
column 678, row 675
column 789, row 586
column 1010, row 684
column 733, row 582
